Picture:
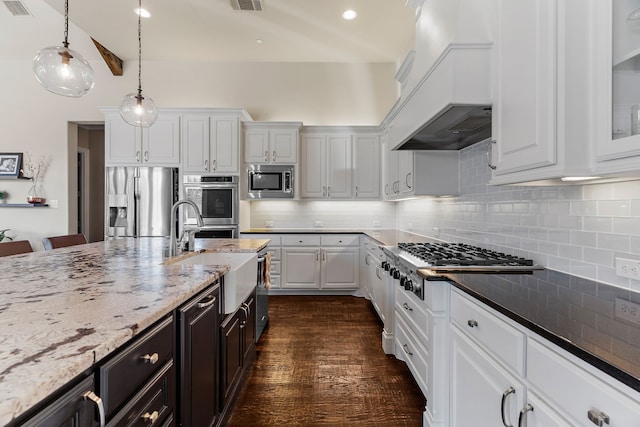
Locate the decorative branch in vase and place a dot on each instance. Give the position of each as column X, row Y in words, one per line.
column 35, row 171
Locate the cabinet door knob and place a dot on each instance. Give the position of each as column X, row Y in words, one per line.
column 472, row 323
column 151, row 359
column 598, row 418
column 503, row 404
column 89, row 395
column 150, row 417
column 522, row 418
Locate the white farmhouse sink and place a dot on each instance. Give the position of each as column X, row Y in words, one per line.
column 239, row 281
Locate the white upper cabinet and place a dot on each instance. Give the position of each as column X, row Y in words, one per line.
column 543, row 91
column 618, row 95
column 271, row 143
column 211, row 142
column 366, row 166
column 157, row 145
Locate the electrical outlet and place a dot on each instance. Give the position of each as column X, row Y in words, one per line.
column 628, row 268
column 376, row 223
column 436, row 231
column 318, row 224
column 53, row 204
column 627, row 310
column 268, row 224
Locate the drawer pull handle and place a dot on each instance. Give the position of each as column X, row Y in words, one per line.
column 503, row 403
column 406, row 307
column 597, row 417
column 95, row 399
column 472, row 323
column 151, row 359
column 406, row 349
column 206, row 302
column 522, row 418
column 150, row 417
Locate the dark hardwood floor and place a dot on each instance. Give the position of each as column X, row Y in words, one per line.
column 320, row 363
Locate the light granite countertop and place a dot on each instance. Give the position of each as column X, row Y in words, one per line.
column 62, row 311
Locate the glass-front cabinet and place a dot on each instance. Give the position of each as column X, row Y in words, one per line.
column 618, row 76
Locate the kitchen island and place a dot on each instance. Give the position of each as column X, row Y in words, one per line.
column 63, row 311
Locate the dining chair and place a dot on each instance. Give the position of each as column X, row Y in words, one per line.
column 14, row 248
column 55, row 242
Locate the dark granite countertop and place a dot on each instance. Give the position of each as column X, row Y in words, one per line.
column 574, row 313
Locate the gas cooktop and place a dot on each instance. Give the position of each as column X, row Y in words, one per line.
column 448, row 257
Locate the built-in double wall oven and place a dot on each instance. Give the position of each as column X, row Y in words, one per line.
column 218, row 200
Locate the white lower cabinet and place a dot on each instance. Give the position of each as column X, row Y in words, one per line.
column 490, row 386
column 375, row 281
column 301, row 268
column 483, row 393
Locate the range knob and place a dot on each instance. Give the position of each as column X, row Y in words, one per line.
column 385, row 265
column 403, row 279
column 408, row 285
column 396, row 274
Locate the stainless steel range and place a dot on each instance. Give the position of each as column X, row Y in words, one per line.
column 404, row 261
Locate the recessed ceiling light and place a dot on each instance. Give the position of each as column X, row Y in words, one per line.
column 144, row 13
column 349, row 14
column 259, row 41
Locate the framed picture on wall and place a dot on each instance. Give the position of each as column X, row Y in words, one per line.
column 10, row 165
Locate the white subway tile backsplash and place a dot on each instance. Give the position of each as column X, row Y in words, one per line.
column 627, row 226
column 614, row 208
column 614, row 242
column 626, row 190
column 584, row 207
column 598, row 192
column 603, row 224
column 601, row 257
column 584, row 238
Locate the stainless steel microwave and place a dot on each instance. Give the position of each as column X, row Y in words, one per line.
column 270, row 181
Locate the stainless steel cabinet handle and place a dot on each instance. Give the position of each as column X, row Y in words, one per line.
column 328, row 191
column 522, row 418
column 598, row 418
column 151, row 359
column 386, row 189
column 317, row 255
column 406, row 179
column 490, row 155
column 406, row 349
column 324, row 191
column 324, row 256
column 406, row 307
column 377, row 272
column 356, row 191
column 206, row 165
column 215, row 164
column 503, row 404
column 366, row 259
column 472, row 323
column 211, row 300
column 266, row 156
column 150, row 417
column 146, row 156
column 137, row 156
column 273, row 159
column 96, row 399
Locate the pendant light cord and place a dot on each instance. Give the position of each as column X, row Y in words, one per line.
column 140, row 48
column 66, row 24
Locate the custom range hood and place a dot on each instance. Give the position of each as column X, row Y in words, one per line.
column 450, row 107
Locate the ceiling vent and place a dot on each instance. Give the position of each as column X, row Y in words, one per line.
column 17, row 8
column 252, row 5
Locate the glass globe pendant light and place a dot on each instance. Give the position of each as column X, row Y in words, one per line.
column 138, row 110
column 61, row 70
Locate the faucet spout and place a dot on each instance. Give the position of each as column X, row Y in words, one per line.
column 173, row 244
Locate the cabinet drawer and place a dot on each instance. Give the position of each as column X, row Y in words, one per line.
column 574, row 391
column 414, row 353
column 409, row 307
column 275, row 281
column 121, row 377
column 301, row 240
column 500, row 339
column 340, row 240
column 275, row 267
column 274, row 252
column 154, row 404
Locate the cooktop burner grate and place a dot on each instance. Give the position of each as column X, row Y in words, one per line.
column 460, row 254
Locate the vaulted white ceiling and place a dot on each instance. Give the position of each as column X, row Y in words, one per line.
column 211, row 30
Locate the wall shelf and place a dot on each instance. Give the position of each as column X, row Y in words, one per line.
column 23, row 205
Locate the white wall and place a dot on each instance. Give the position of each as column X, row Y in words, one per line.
column 34, row 120
column 578, row 230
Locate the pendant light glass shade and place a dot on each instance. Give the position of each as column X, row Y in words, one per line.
column 61, row 70
column 136, row 109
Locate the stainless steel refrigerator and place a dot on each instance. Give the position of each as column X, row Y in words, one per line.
column 139, row 200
